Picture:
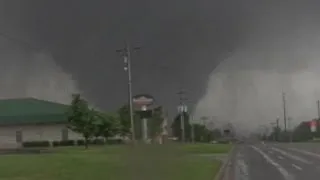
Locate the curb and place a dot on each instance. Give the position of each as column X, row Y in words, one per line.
column 221, row 173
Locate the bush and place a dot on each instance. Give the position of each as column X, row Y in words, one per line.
column 67, row 143
column 100, row 142
column 223, row 142
column 97, row 142
column 36, row 144
column 80, row 142
column 55, row 143
column 63, row 143
column 114, row 141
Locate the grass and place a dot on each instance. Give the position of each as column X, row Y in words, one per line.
column 207, row 148
column 114, row 163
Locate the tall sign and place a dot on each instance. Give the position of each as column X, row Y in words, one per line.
column 313, row 126
column 143, row 101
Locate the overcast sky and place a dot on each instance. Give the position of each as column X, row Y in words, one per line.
column 71, row 48
column 181, row 40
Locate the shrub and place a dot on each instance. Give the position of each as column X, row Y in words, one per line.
column 97, row 142
column 67, row 143
column 114, row 141
column 63, row 143
column 36, row 144
column 55, row 143
column 80, row 142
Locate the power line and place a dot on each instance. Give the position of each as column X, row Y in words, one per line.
column 126, row 54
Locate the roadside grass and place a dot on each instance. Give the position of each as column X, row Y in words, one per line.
column 121, row 162
column 207, row 148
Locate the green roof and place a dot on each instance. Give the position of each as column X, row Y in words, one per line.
column 31, row 111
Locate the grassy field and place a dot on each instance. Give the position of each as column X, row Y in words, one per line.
column 115, row 163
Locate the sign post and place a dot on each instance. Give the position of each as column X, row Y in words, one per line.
column 143, row 101
column 313, row 126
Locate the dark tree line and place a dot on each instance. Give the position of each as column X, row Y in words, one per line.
column 201, row 132
column 300, row 133
column 91, row 123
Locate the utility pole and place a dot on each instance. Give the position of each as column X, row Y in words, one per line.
column 126, row 54
column 273, row 126
column 277, row 128
column 284, row 111
column 183, row 109
column 318, row 104
column 192, row 129
column 289, row 127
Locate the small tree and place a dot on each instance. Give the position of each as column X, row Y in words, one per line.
column 107, row 126
column 124, row 118
column 176, row 126
column 81, row 119
column 156, row 121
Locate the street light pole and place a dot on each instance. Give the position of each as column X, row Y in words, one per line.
column 277, row 128
column 284, row 111
column 126, row 54
column 290, row 128
column 318, row 105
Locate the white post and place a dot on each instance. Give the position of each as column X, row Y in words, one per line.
column 144, row 125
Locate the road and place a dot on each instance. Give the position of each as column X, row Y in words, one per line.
column 275, row 161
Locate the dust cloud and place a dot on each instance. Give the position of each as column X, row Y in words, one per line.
column 25, row 73
column 281, row 54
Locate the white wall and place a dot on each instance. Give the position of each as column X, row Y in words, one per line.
column 33, row 133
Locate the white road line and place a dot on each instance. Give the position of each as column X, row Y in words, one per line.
column 306, row 152
column 282, row 170
column 297, row 167
column 291, row 156
column 242, row 170
column 280, row 157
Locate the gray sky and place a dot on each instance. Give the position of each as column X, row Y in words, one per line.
column 182, row 42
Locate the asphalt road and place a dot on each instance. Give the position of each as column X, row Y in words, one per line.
column 271, row 161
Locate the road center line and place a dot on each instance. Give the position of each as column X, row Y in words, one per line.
column 280, row 157
column 282, row 170
column 291, row 156
column 297, row 167
column 306, row 152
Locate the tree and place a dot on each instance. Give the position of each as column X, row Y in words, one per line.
column 125, row 124
column 156, row 121
column 81, row 119
column 302, row 132
column 176, row 126
column 200, row 132
column 107, row 125
column 124, row 118
column 216, row 133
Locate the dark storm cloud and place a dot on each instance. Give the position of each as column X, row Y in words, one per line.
column 182, row 40
column 280, row 54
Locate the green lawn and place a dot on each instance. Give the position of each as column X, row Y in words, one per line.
column 114, row 163
column 207, row 148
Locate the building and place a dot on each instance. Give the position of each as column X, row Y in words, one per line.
column 30, row 119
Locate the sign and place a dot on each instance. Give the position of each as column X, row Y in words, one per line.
column 313, row 126
column 143, row 100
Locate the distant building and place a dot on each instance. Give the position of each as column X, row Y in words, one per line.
column 30, row 119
